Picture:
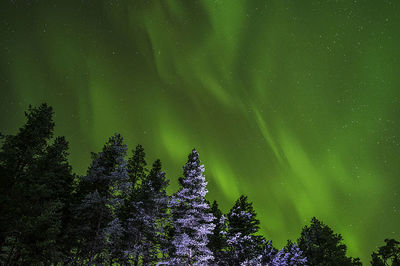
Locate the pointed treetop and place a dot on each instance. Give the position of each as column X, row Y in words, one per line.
column 322, row 246
column 215, row 209
column 193, row 160
column 37, row 130
column 108, row 165
column 157, row 176
column 242, row 217
column 137, row 165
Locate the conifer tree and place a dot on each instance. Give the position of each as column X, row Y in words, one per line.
column 37, row 191
column 105, row 179
column 137, row 166
column 143, row 217
column 217, row 240
column 191, row 218
column 322, row 246
column 155, row 200
column 388, row 254
column 243, row 243
column 131, row 217
column 16, row 155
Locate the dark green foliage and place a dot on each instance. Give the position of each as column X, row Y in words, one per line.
column 217, row 241
column 243, row 242
column 153, row 194
column 36, row 190
column 239, row 223
column 118, row 212
column 322, row 246
column 388, row 254
column 137, row 166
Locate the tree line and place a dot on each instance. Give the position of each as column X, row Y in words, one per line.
column 119, row 212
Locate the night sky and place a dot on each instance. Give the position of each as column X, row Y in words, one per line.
column 293, row 103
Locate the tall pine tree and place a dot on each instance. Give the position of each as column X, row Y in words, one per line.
column 131, row 217
column 36, row 188
column 137, row 166
column 155, row 200
column 243, row 243
column 322, row 246
column 217, row 240
column 106, row 177
column 191, row 218
column 143, row 214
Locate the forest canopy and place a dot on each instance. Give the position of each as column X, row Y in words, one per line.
column 119, row 212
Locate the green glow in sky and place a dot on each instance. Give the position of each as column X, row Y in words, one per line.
column 293, row 103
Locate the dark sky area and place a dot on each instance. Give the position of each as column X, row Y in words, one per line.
column 293, row 103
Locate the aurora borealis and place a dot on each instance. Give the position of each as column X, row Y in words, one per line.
column 293, row 103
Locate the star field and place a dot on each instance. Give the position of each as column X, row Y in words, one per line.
column 296, row 105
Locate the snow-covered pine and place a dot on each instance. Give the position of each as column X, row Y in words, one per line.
column 193, row 223
column 242, row 242
column 141, row 216
column 291, row 257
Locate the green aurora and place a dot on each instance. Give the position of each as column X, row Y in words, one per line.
column 293, row 103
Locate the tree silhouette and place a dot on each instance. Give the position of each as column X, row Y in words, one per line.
column 388, row 254
column 322, row 246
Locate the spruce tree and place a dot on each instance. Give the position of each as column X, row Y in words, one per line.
column 106, row 177
column 243, row 243
column 388, row 254
column 191, row 218
column 322, row 246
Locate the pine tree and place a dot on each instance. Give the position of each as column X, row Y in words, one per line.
column 143, row 216
column 191, row 218
column 16, row 156
column 130, row 216
column 217, row 240
column 388, row 254
column 322, row 246
column 155, row 199
column 243, row 243
column 105, row 179
column 56, row 180
column 137, row 166
column 37, row 192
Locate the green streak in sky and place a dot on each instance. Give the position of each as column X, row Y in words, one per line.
column 295, row 104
